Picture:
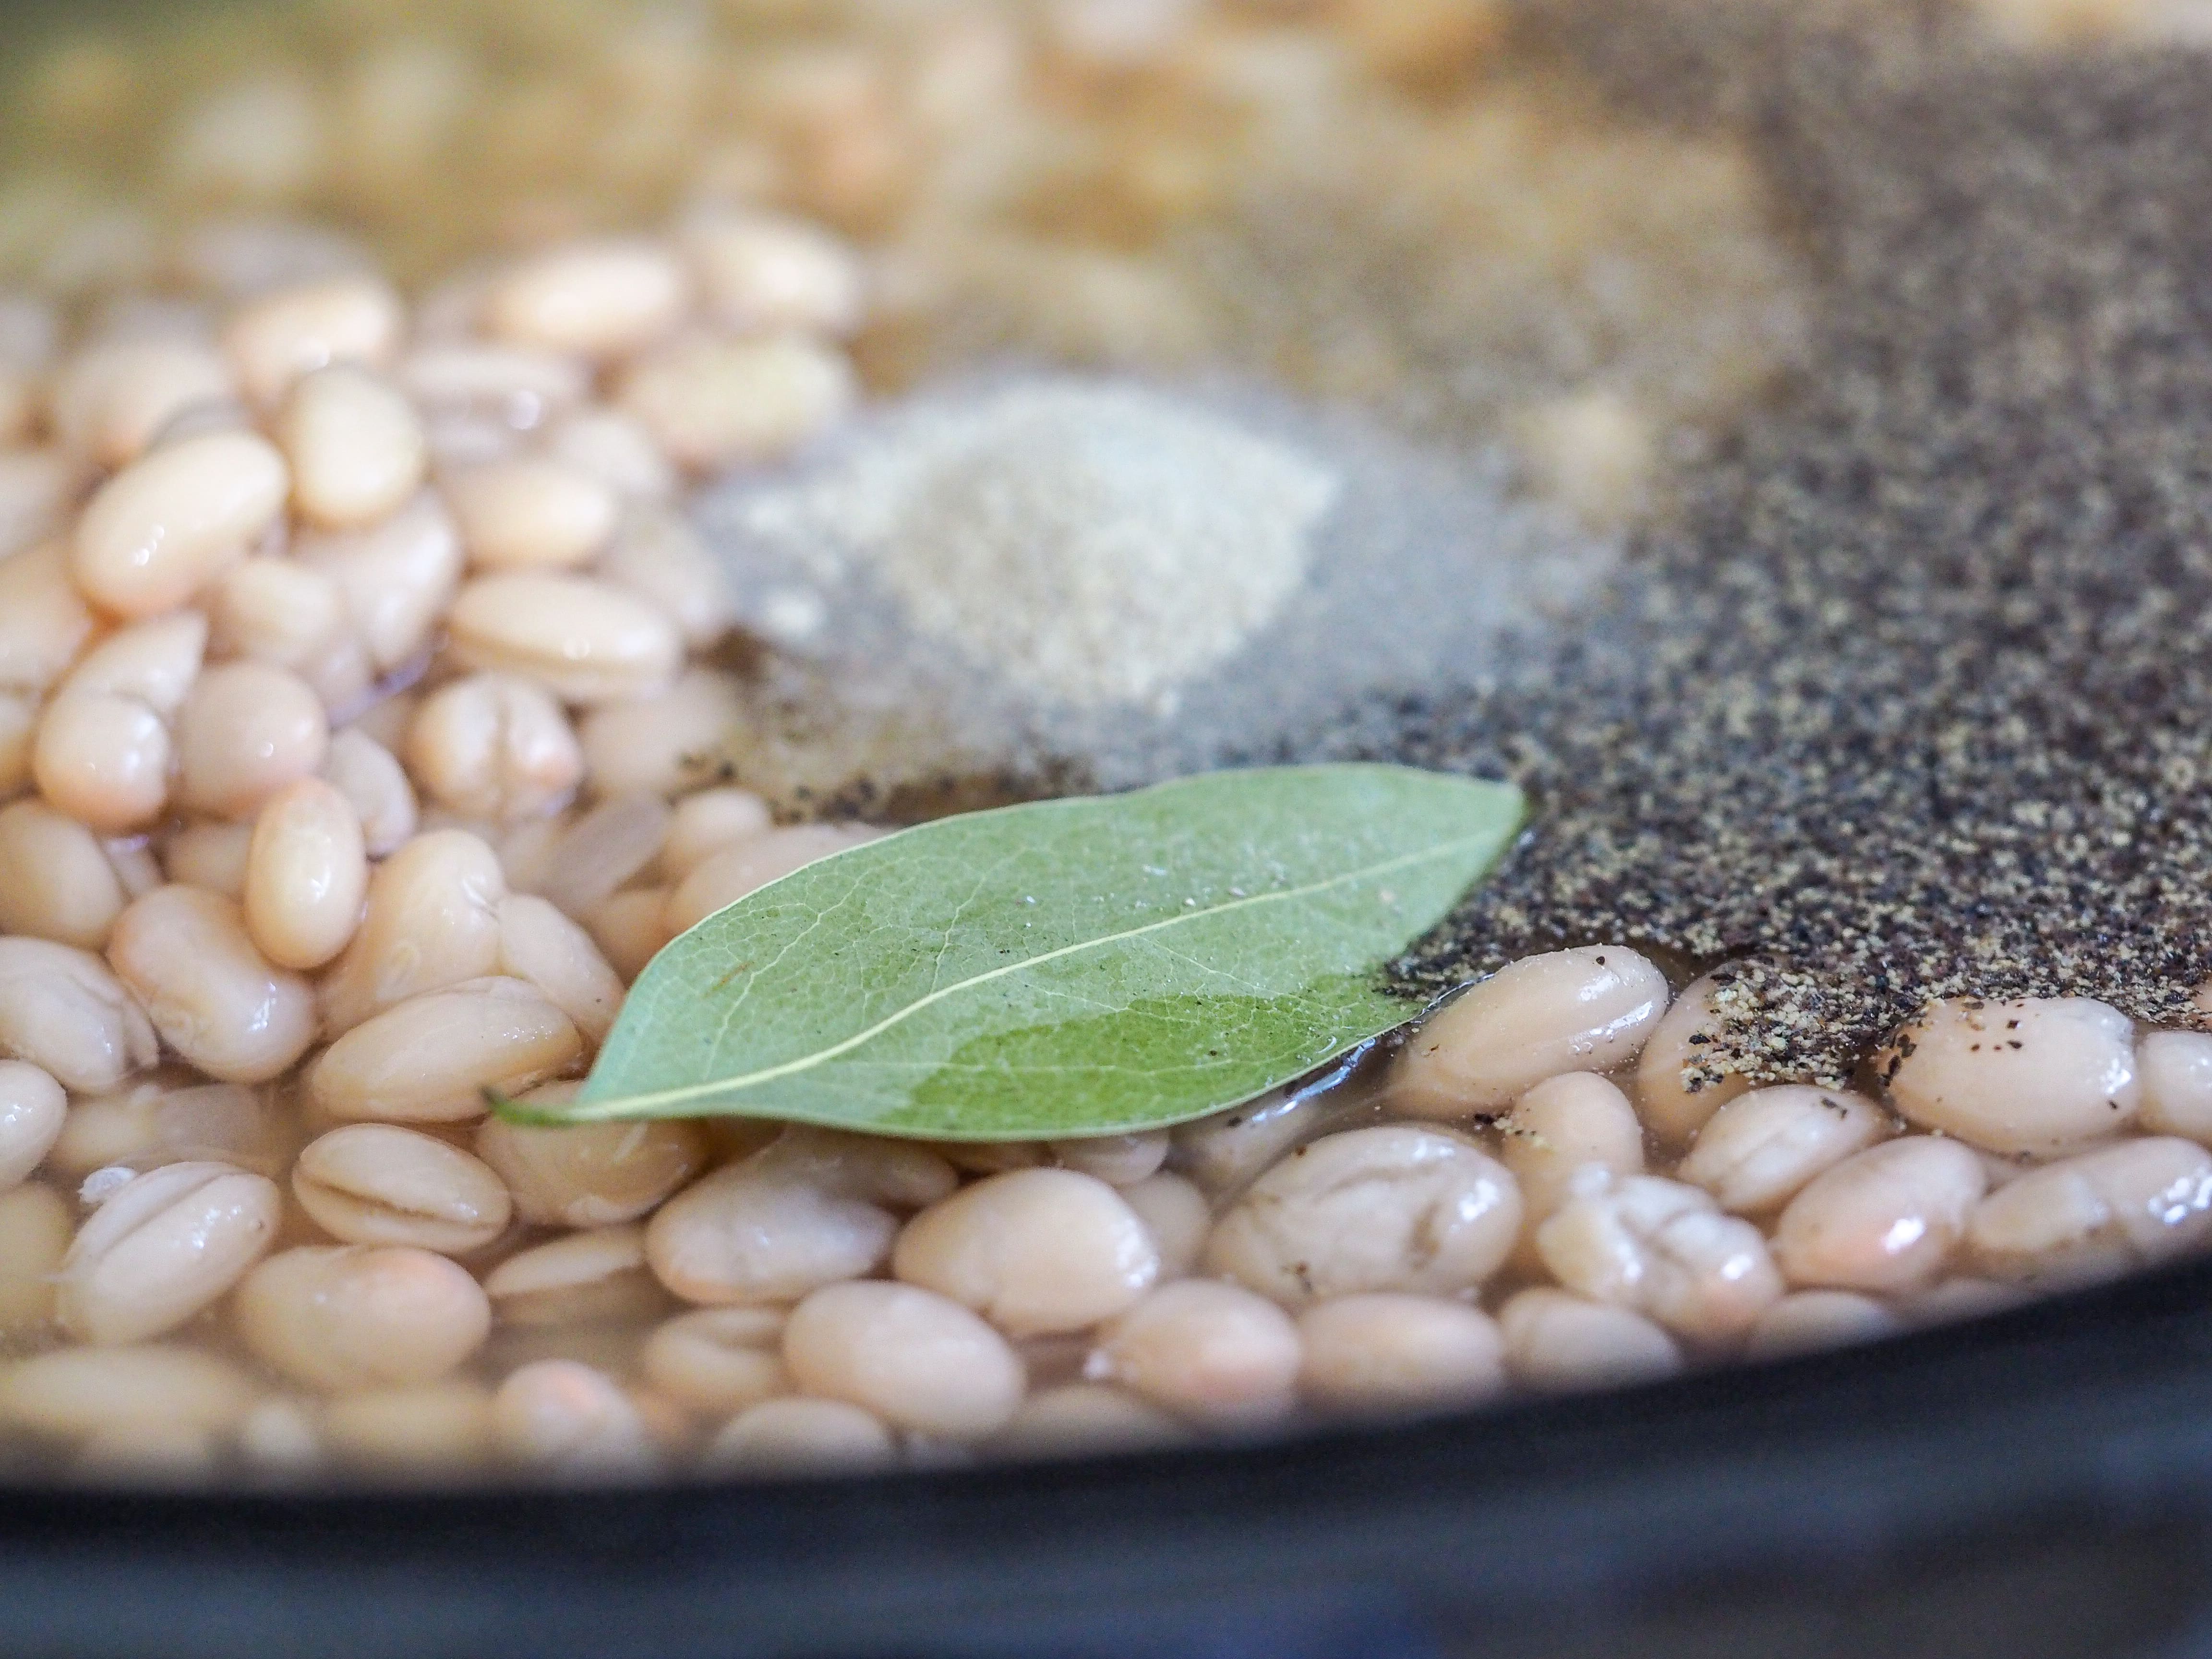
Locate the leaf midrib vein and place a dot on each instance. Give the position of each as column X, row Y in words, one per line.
column 823, row 1056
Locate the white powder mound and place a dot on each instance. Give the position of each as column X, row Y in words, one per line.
column 1112, row 582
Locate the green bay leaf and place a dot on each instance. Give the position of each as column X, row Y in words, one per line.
column 1061, row 969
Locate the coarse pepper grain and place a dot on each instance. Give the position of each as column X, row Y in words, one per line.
column 1915, row 697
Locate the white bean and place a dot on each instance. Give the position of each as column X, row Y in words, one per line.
column 279, row 612
column 529, row 512
column 713, row 403
column 708, row 823
column 306, row 875
column 109, row 400
column 397, row 576
column 521, row 387
column 1555, row 1342
column 559, row 1414
column 440, row 1432
column 64, row 1012
column 1756, row 1152
column 662, row 744
column 432, row 921
column 612, row 447
column 103, row 760
column 1223, row 1152
column 1587, row 1010
column 163, row 1247
column 56, row 881
column 589, row 641
column 1117, row 1160
column 373, row 1184
column 600, row 851
column 594, row 1276
column 915, row 1359
column 213, row 997
column 72, row 1393
column 809, row 1210
column 539, row 945
column 596, row 298
column 799, row 1437
column 374, row 783
column 355, row 1317
column 2097, row 1214
column 37, row 489
column 1393, row 1208
column 168, row 525
column 719, row 1359
column 44, row 621
column 272, row 341
column 1390, row 1352
column 2176, row 1067
column 430, row 1058
column 1034, row 1251
column 763, row 272
column 356, row 446
column 155, row 663
column 658, row 556
column 35, row 1237
column 1884, row 1219
column 32, row 1108
column 1809, row 1322
column 1207, row 1351
column 591, row 1175
column 1663, row 1249
column 493, row 748
column 1669, row 1107
column 2029, row 1075
column 1083, row 1420
column 210, row 854
column 1175, row 1213
column 246, row 732
column 729, row 876
column 1558, row 1126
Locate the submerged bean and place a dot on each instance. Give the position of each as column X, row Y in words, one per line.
column 306, row 875
column 917, row 1359
column 1759, row 1149
column 1034, row 1251
column 598, row 1274
column 2097, row 1213
column 64, row 1012
column 34, row 1237
column 1886, row 1219
column 1562, row 1125
column 1392, row 1352
column 1808, row 1322
column 432, row 920
column 1213, row 1352
column 374, row 1183
column 56, row 881
column 215, row 999
column 591, row 1175
column 719, row 1359
column 2029, row 1075
column 559, row 1414
column 163, row 1247
column 32, row 1108
column 431, row 1059
column 355, row 1316
column 797, row 1436
column 1555, row 1341
column 1663, row 1249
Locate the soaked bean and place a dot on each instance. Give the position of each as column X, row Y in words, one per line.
column 559, row 1414
column 2029, row 1075
column 213, row 997
column 719, row 1359
column 44, row 621
column 597, row 1275
column 35, row 1237
column 539, row 945
column 523, row 388
column 806, row 1211
column 591, row 1175
column 1669, row 1106
column 729, row 875
column 246, row 732
column 64, row 1012
column 398, row 577
column 1759, row 1148
column 494, row 747
column 1562, row 1125
column 430, row 1058
column 1394, row 1208
column 1084, row 1420
column 2176, row 1069
column 628, row 930
column 600, row 851
column 1177, row 1216
column 103, row 760
column 764, row 273
column 1034, row 1251
column 37, row 487
column 356, row 446
column 283, row 613
column 356, row 1316
column 1663, row 1249
column 708, row 822
column 168, row 526
column 1884, row 1219
column 56, row 882
column 306, row 875
column 800, row 1436
column 109, row 400
column 1587, row 1010
column 273, row 340
column 2097, row 1214
column 163, row 1247
column 155, row 663
column 210, row 854
column 283, row 1437
column 711, row 404
column 589, row 641
column 528, row 512
column 597, row 299
column 72, row 1393
column 131, row 858
column 432, row 921
column 1207, row 1351
column 375, row 785
column 1223, row 1152
column 1812, row 1321
column 918, row 1360
column 373, row 1183
column 659, row 557
column 1556, row 1342
column 32, row 1108
column 1117, row 1160
column 661, row 744
column 438, row 1431
column 609, row 445
column 1390, row 1352
column 18, row 724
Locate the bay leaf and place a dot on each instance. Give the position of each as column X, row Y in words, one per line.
column 1064, row 967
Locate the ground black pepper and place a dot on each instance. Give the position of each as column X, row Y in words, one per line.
column 1915, row 699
